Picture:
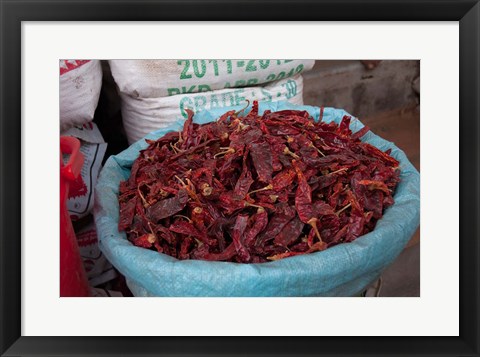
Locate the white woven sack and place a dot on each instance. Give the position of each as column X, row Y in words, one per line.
column 162, row 78
column 80, row 84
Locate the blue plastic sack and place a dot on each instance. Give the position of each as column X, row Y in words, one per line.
column 343, row 270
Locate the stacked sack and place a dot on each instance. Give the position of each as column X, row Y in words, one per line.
column 80, row 86
column 156, row 93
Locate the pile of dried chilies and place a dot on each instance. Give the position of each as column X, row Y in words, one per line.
column 255, row 188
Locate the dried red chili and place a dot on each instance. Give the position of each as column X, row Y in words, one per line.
column 255, row 188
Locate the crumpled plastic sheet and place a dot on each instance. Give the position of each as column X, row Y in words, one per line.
column 343, row 270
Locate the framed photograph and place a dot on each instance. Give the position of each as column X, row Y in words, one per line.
column 437, row 41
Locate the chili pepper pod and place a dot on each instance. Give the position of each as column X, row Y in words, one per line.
column 303, row 201
column 185, row 248
column 238, row 238
column 204, row 188
column 168, row 207
column 198, row 218
column 258, row 223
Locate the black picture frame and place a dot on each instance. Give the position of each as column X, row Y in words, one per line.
column 13, row 12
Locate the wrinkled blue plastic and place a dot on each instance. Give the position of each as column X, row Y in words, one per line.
column 343, row 270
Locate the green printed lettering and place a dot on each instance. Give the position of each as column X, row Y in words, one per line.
column 270, row 77
column 286, row 61
column 229, row 66
column 266, row 96
column 185, row 103
column 291, row 87
column 228, row 97
column 184, row 74
column 281, row 75
column 200, row 102
column 214, row 101
column 264, row 63
column 204, row 88
column 279, row 62
column 240, row 64
column 299, row 68
column 252, row 82
column 215, row 66
column 238, row 99
column 291, row 72
column 173, row 91
column 187, row 91
column 240, row 83
column 227, row 85
column 251, row 66
column 203, row 66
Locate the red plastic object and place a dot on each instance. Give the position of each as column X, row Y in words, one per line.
column 73, row 279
